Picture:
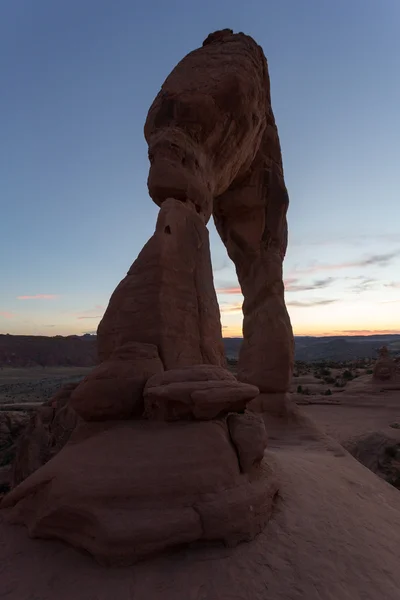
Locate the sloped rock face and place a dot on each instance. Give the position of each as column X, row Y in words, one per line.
column 12, row 424
column 142, row 488
column 213, row 141
column 380, row 453
column 47, row 431
column 168, row 297
column 114, row 389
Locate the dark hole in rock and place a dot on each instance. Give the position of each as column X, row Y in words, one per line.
column 167, row 229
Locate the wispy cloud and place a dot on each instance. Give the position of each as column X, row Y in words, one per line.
column 292, row 285
column 308, row 304
column 6, row 314
column 234, row 290
column 231, row 308
column 369, row 331
column 39, row 297
column 88, row 314
column 87, row 317
column 224, row 264
column 365, row 285
column 351, row 240
column 393, row 284
column 375, row 259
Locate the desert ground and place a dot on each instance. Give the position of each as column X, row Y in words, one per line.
column 346, row 534
column 35, row 384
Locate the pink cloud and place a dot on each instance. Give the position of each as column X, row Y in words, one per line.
column 95, row 317
column 229, row 290
column 368, row 331
column 231, row 308
column 39, row 297
column 6, row 314
column 236, row 291
column 380, row 260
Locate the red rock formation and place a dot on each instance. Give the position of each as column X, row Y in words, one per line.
column 201, row 392
column 168, row 297
column 47, row 432
column 114, row 389
column 123, row 491
column 248, row 435
column 385, row 367
column 213, row 141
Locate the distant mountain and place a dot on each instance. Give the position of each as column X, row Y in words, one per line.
column 81, row 351
column 311, row 349
column 58, row 351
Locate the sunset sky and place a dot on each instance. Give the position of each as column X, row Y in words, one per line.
column 77, row 79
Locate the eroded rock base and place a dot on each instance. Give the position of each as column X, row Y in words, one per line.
column 125, row 490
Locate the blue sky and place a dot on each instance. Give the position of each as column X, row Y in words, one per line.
column 77, row 79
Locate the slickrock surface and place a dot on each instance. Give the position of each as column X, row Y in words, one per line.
column 333, row 533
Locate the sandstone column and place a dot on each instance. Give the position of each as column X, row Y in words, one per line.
column 168, row 297
column 251, row 220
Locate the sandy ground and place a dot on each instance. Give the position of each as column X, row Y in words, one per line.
column 36, row 384
column 334, row 535
column 343, row 422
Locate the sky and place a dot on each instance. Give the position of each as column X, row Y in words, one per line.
column 77, row 79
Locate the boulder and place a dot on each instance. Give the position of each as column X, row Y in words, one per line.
column 199, row 392
column 249, row 437
column 114, row 389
